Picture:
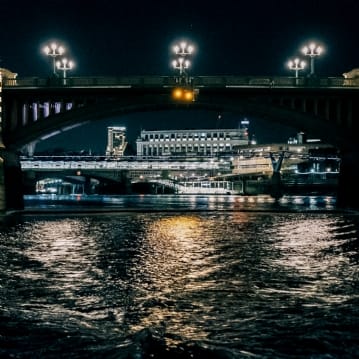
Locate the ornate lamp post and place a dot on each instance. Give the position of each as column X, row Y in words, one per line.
column 312, row 50
column 183, row 50
column 296, row 65
column 185, row 91
column 181, row 64
column 64, row 65
column 54, row 51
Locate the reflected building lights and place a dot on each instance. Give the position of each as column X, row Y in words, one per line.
column 66, row 247
column 183, row 256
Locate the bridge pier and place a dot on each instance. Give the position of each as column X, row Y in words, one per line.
column 348, row 189
column 276, row 188
column 11, row 185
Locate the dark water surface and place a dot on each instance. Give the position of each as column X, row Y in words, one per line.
column 220, row 282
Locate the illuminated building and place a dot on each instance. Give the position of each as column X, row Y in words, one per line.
column 116, row 141
column 206, row 142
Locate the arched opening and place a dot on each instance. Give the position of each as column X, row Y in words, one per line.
column 273, row 122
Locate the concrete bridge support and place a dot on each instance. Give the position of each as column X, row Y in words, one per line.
column 2, row 187
column 276, row 188
column 348, row 189
column 11, row 185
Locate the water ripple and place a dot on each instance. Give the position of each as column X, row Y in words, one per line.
column 213, row 284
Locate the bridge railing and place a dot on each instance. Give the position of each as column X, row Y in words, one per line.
column 123, row 165
column 100, row 81
column 171, row 81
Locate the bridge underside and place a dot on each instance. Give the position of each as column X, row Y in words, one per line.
column 325, row 114
column 107, row 182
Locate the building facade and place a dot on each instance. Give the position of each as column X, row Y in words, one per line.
column 206, row 142
column 116, row 141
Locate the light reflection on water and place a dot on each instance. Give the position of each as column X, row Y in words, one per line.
column 236, row 284
column 182, row 202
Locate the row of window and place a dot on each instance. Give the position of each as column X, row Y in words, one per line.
column 158, row 151
column 189, row 139
column 188, row 146
column 184, row 136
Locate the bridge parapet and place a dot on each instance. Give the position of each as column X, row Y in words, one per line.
column 99, row 81
column 171, row 81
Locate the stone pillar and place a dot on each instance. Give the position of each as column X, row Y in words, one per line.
column 2, row 187
column 11, row 177
column 2, row 175
column 11, row 189
column 348, row 189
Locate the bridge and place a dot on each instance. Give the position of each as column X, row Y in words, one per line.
column 242, row 173
column 120, row 170
column 35, row 108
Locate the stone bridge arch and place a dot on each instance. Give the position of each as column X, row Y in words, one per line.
column 328, row 109
column 298, row 113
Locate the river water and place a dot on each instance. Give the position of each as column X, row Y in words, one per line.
column 180, row 277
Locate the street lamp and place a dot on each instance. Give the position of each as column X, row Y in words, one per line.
column 64, row 65
column 185, row 91
column 183, row 50
column 296, row 65
column 54, row 51
column 181, row 64
column 312, row 50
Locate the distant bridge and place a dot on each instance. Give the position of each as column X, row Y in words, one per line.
column 189, row 176
column 135, row 166
column 126, row 169
column 252, row 162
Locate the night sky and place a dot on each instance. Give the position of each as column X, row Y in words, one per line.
column 111, row 37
